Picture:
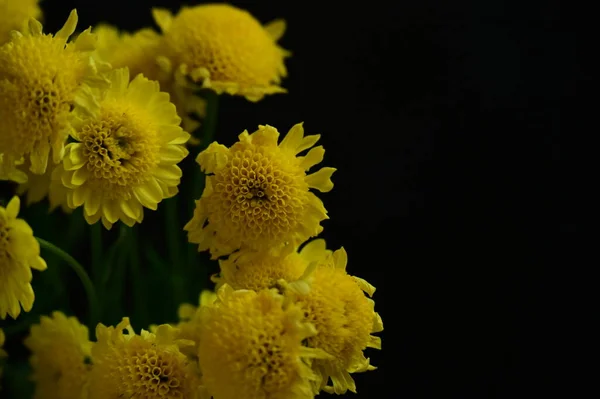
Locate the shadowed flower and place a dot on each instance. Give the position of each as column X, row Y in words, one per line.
column 128, row 143
column 60, row 357
column 223, row 48
column 264, row 270
column 257, row 195
column 14, row 14
column 38, row 187
column 148, row 366
column 343, row 316
column 189, row 322
column 251, row 347
column 41, row 78
column 19, row 253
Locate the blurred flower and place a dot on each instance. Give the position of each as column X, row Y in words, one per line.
column 19, row 253
column 38, row 187
column 251, row 347
column 189, row 322
column 41, row 76
column 223, row 48
column 60, row 357
column 344, row 318
column 139, row 51
column 14, row 14
column 147, row 366
column 263, row 269
column 257, row 193
column 128, row 144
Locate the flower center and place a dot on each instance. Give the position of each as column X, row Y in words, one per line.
column 154, row 374
column 121, row 149
column 258, row 195
column 35, row 97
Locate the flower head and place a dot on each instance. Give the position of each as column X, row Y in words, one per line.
column 38, row 187
column 14, row 14
column 19, row 253
column 140, row 52
column 128, row 143
column 344, row 318
column 225, row 49
column 149, row 366
column 60, row 357
column 264, row 270
column 251, row 347
column 257, row 193
column 41, row 78
column 136, row 51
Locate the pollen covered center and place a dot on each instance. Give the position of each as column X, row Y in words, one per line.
column 38, row 82
column 121, row 148
column 272, row 361
column 258, row 195
column 150, row 374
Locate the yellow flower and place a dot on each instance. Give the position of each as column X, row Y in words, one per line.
column 14, row 14
column 257, row 193
column 136, row 51
column 41, row 78
column 251, row 347
column 264, row 270
column 19, row 253
column 139, row 52
column 149, row 366
column 60, row 357
column 225, row 49
column 189, row 322
column 38, row 187
column 128, row 145
column 344, row 318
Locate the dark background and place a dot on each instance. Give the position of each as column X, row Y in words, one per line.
column 444, row 121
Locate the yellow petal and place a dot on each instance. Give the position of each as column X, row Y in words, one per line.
column 321, row 179
column 276, row 29
column 314, row 156
column 293, row 138
column 80, row 176
column 168, row 172
column 173, row 153
column 163, row 18
column 12, row 209
column 69, row 27
column 92, row 205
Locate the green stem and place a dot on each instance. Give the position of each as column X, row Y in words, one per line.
column 83, row 276
column 96, row 243
column 139, row 283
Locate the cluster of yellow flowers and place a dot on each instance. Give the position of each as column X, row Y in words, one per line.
column 101, row 122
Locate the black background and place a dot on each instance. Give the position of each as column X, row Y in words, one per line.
column 444, row 121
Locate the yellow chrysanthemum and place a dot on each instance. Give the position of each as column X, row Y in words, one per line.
column 14, row 14
column 225, row 49
column 189, row 322
column 251, row 347
column 41, row 78
column 19, row 253
column 60, row 357
column 128, row 145
column 149, row 366
column 38, row 187
column 3, row 353
column 264, row 270
column 139, row 52
column 136, row 51
column 343, row 316
column 257, row 193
